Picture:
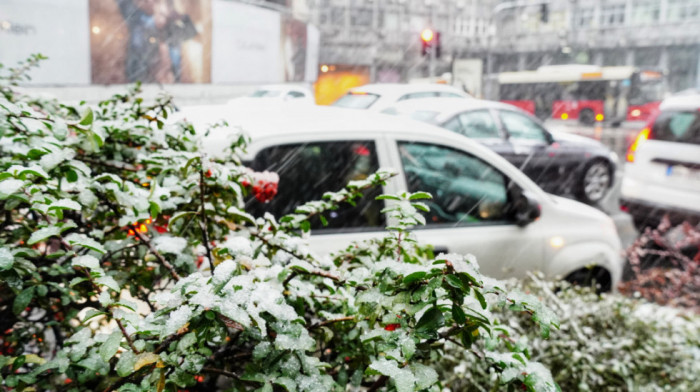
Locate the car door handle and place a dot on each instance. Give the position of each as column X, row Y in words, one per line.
column 440, row 249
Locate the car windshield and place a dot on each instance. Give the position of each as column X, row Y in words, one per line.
column 356, row 101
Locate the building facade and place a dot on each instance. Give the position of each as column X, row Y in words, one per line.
column 382, row 36
column 660, row 34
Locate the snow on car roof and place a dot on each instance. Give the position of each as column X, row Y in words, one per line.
column 278, row 119
column 403, row 88
column 446, row 107
column 687, row 101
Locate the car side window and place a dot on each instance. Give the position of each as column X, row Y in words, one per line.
column 444, row 94
column 309, row 170
column 520, row 126
column 465, row 189
column 479, row 124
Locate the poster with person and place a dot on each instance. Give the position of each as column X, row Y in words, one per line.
column 152, row 41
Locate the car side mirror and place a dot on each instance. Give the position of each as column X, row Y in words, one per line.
column 527, row 209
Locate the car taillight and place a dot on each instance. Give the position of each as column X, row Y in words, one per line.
column 643, row 135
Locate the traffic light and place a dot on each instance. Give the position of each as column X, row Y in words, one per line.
column 430, row 40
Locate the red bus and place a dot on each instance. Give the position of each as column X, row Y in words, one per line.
column 585, row 93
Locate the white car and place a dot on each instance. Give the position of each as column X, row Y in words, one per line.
column 275, row 93
column 482, row 204
column 379, row 96
column 662, row 173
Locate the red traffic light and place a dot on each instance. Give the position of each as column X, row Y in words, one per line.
column 427, row 35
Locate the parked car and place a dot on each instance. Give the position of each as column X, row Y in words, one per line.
column 560, row 163
column 379, row 96
column 278, row 93
column 662, row 172
column 481, row 204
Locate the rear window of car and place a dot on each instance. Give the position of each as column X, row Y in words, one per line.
column 356, row 100
column 677, row 126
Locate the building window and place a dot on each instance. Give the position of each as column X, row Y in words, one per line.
column 361, row 17
column 681, row 10
column 612, row 15
column 645, row 12
column 584, row 17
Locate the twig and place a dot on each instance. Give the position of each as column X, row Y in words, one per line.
column 160, row 257
column 316, row 273
column 203, row 222
column 221, row 372
column 112, row 164
column 333, row 321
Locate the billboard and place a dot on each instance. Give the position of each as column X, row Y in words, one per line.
column 154, row 41
column 54, row 28
column 157, row 41
column 245, row 46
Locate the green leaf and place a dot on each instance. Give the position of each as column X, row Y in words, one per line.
column 6, row 259
column 87, row 117
column 50, row 231
column 430, row 322
column 84, row 241
column 125, row 366
column 187, row 341
column 416, row 276
column 23, row 299
column 305, row 226
column 420, row 195
column 454, row 281
column 71, row 175
column 323, row 220
column 481, row 298
column 387, row 197
column 92, row 313
column 110, row 346
column 179, row 216
column 458, row 314
column 154, row 209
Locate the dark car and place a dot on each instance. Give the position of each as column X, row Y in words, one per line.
column 560, row 163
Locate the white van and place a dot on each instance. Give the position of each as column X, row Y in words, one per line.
column 481, row 204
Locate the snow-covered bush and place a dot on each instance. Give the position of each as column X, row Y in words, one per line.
column 605, row 342
column 128, row 262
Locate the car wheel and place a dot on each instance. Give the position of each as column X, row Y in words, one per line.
column 586, row 117
column 594, row 181
column 595, row 277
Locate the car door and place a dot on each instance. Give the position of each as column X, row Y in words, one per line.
column 532, row 149
column 471, row 210
column 481, row 126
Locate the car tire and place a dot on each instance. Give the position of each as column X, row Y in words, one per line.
column 594, row 182
column 586, row 117
column 588, row 277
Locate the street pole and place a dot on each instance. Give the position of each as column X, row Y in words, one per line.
column 431, row 63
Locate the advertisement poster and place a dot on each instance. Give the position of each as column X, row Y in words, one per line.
column 55, row 28
column 152, row 41
column 245, row 47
